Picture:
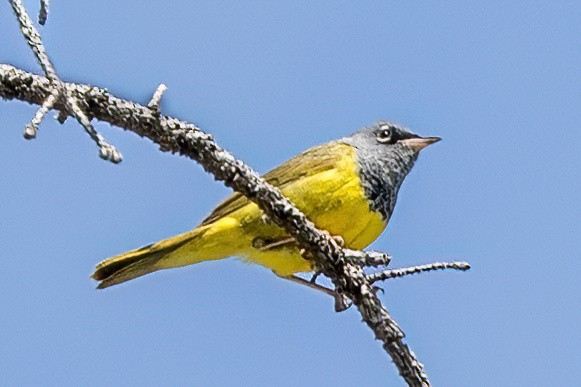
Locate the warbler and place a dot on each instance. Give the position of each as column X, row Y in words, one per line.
column 347, row 187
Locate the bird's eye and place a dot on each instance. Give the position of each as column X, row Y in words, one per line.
column 386, row 136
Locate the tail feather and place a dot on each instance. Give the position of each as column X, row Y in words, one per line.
column 131, row 271
column 140, row 262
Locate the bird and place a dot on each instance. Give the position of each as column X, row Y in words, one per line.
column 346, row 187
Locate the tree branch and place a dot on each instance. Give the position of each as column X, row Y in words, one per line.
column 176, row 136
column 396, row 273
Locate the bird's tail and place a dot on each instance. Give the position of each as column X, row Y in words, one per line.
column 181, row 250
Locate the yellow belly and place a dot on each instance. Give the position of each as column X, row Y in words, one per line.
column 333, row 200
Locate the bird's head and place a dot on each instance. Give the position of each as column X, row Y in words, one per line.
column 386, row 137
column 386, row 153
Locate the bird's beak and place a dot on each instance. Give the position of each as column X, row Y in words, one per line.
column 419, row 143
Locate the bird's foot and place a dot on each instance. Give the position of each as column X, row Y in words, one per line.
column 337, row 238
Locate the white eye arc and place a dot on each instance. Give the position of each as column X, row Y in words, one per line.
column 385, row 136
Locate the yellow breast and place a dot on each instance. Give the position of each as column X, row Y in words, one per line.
column 333, row 199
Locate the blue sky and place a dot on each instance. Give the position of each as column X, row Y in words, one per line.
column 499, row 81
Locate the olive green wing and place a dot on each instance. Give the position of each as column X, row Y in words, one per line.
column 308, row 163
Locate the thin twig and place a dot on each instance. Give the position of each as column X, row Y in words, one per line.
column 177, row 136
column 32, row 36
column 43, row 14
column 154, row 102
column 395, row 273
column 31, row 129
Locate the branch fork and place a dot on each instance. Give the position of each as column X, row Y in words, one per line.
column 32, row 36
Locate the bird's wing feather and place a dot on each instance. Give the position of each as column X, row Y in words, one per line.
column 308, row 163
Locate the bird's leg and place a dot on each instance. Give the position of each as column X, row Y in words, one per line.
column 341, row 302
column 277, row 244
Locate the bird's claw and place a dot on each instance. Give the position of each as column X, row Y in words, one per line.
column 337, row 238
column 315, row 276
column 377, row 289
column 342, row 303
